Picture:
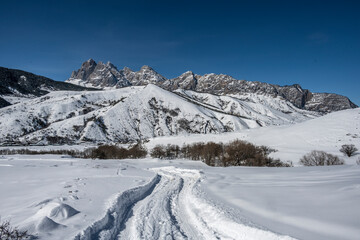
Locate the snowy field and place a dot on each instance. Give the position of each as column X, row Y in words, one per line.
column 58, row 197
column 62, row 198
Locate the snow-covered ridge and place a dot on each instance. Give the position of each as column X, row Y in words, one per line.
column 134, row 113
column 102, row 75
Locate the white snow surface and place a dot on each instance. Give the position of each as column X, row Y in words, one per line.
column 57, row 197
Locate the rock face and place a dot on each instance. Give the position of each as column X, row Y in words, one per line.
column 20, row 83
column 328, row 102
column 101, row 75
column 145, row 76
column 186, row 81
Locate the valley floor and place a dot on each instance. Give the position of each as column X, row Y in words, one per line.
column 58, row 197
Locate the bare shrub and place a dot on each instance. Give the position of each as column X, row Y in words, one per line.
column 235, row 153
column 74, row 153
column 241, row 153
column 115, row 152
column 213, row 153
column 172, row 151
column 101, row 152
column 348, row 149
column 320, row 158
column 278, row 163
column 195, row 151
column 7, row 232
column 137, row 151
column 169, row 151
column 158, row 151
column 266, row 150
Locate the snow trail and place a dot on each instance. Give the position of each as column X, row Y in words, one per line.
column 170, row 207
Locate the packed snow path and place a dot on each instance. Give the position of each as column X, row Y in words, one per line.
column 170, row 207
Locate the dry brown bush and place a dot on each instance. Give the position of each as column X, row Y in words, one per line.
column 235, row 153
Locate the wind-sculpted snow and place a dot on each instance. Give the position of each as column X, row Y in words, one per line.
column 169, row 207
column 134, row 113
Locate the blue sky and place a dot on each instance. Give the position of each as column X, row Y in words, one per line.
column 313, row 43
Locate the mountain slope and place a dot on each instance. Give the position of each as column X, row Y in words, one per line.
column 17, row 83
column 134, row 113
column 219, row 84
column 4, row 103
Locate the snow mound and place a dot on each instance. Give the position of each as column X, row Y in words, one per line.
column 46, row 224
column 63, row 211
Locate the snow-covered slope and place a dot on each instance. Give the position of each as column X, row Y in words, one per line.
column 18, row 83
column 134, row 113
column 266, row 110
column 326, row 133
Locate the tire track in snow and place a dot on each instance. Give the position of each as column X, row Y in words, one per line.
column 170, row 207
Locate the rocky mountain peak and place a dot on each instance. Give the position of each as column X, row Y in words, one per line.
column 146, row 75
column 86, row 69
column 126, row 69
column 146, row 68
column 98, row 75
column 187, row 81
column 109, row 64
column 107, row 75
column 90, row 61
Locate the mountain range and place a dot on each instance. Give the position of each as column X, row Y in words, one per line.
column 101, row 75
column 100, row 103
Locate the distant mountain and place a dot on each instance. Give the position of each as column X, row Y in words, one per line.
column 102, row 75
column 135, row 113
column 17, row 83
column 143, row 104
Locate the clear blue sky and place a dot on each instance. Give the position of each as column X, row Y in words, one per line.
column 313, row 43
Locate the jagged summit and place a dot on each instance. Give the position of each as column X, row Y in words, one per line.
column 102, row 75
column 146, row 67
column 108, row 76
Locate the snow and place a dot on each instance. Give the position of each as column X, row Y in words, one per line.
column 65, row 198
column 133, row 113
column 327, row 133
column 59, row 197
column 304, row 202
column 81, row 82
